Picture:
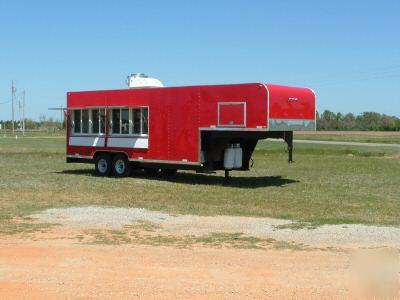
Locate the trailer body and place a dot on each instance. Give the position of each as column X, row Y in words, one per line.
column 184, row 127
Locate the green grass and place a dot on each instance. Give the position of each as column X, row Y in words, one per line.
column 325, row 185
column 351, row 136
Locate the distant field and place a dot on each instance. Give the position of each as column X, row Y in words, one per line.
column 326, row 184
column 32, row 133
column 387, row 137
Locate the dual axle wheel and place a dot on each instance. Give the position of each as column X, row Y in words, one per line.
column 120, row 166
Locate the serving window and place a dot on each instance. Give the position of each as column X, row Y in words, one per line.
column 115, row 121
column 122, row 121
column 88, row 121
column 129, row 121
column 76, row 123
column 140, row 120
column 125, row 121
column 144, row 120
column 85, row 121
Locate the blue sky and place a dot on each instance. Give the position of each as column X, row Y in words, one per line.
column 347, row 51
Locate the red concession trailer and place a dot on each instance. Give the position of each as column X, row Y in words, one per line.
column 202, row 128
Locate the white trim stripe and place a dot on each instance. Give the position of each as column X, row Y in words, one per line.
column 291, row 125
column 80, row 156
column 176, row 162
column 123, row 142
column 233, row 129
column 92, row 141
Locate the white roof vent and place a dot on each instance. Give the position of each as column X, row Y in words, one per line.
column 140, row 80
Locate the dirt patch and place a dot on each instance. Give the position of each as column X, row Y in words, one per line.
column 54, row 268
column 393, row 156
column 65, row 270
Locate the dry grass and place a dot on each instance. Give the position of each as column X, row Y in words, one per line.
column 215, row 240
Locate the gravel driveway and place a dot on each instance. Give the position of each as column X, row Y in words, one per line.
column 351, row 235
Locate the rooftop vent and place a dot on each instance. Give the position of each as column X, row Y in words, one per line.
column 140, row 80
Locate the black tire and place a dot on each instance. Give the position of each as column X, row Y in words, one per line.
column 121, row 166
column 151, row 171
column 169, row 172
column 102, row 164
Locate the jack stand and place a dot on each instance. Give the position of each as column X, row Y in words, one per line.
column 288, row 137
column 226, row 176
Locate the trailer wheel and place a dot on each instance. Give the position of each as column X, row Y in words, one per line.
column 103, row 164
column 121, row 166
column 169, row 172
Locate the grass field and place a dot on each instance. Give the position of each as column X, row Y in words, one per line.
column 386, row 137
column 326, row 185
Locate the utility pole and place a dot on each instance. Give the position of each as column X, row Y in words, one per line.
column 61, row 117
column 23, row 113
column 20, row 114
column 13, row 91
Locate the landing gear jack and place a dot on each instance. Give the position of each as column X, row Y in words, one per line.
column 226, row 176
column 288, row 137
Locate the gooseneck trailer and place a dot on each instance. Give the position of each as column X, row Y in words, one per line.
column 201, row 128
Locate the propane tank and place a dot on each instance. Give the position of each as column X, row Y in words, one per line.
column 238, row 156
column 229, row 157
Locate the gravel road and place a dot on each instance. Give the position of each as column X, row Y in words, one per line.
column 350, row 235
column 387, row 145
column 347, row 143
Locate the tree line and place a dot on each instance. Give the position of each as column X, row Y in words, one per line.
column 327, row 120
column 43, row 123
column 366, row 121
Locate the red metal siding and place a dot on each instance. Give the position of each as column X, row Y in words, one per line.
column 255, row 96
column 291, row 102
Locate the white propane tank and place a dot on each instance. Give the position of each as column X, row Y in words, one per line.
column 238, row 156
column 229, row 157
